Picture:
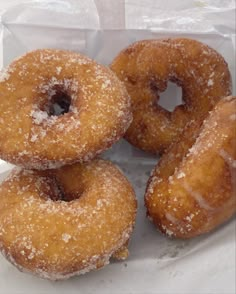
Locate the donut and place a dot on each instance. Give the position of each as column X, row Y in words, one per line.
column 192, row 189
column 59, row 107
column 146, row 66
column 60, row 223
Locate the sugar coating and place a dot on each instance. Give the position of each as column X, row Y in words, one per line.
column 227, row 158
column 146, row 66
column 202, row 203
column 33, row 137
column 192, row 189
column 66, row 237
column 5, row 74
column 56, row 227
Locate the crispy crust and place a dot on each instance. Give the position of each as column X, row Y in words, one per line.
column 98, row 116
column 146, row 66
column 192, row 189
column 57, row 239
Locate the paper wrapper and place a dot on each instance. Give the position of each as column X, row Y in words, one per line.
column 101, row 29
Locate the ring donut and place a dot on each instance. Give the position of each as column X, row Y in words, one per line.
column 65, row 222
column 146, row 66
column 59, row 107
column 192, row 190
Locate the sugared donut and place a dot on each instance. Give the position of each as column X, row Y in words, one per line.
column 193, row 188
column 146, row 66
column 59, row 107
column 65, row 222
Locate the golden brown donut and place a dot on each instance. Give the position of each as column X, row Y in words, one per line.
column 60, row 223
column 192, row 190
column 146, row 66
column 59, row 107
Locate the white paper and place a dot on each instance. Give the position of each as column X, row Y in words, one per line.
column 101, row 29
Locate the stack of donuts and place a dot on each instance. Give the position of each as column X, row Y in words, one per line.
column 63, row 211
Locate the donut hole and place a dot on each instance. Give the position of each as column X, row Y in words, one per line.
column 59, row 102
column 172, row 91
column 60, row 193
